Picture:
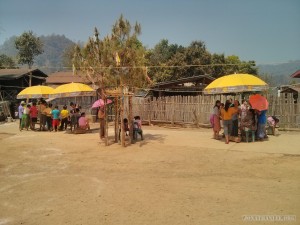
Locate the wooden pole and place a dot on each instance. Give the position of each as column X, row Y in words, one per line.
column 122, row 117
column 130, row 119
column 116, row 120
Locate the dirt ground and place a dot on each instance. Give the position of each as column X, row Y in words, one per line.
column 175, row 176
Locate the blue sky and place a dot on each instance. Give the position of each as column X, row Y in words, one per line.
column 267, row 31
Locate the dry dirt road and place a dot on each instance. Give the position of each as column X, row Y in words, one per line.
column 174, row 177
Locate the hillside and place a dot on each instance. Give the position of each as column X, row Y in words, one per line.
column 51, row 59
column 279, row 74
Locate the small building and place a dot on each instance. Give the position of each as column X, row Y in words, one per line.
column 296, row 74
column 294, row 88
column 12, row 81
column 65, row 77
column 189, row 86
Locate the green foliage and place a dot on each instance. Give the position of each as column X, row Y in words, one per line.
column 115, row 60
column 6, row 62
column 159, row 60
column 170, row 62
column 29, row 46
column 235, row 65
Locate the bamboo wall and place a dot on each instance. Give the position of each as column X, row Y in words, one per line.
column 197, row 109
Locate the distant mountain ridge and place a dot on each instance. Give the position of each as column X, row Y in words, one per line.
column 279, row 74
column 52, row 57
column 55, row 45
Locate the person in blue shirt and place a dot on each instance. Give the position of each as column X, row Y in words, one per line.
column 261, row 124
column 55, row 117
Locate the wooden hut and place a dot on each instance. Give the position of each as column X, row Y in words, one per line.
column 12, row 81
column 188, row 86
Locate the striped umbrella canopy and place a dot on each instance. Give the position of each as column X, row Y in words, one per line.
column 39, row 91
column 235, row 83
column 73, row 90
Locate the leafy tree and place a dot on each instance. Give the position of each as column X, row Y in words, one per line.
column 6, row 62
column 235, row 65
column 218, row 68
column 159, row 60
column 29, row 46
column 198, row 58
column 114, row 60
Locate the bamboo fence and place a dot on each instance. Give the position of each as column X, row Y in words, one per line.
column 197, row 109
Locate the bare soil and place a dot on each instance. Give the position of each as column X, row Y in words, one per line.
column 174, row 177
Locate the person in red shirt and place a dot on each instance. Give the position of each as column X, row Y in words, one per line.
column 33, row 113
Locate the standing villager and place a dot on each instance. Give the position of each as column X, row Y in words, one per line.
column 216, row 120
column 73, row 116
column 235, row 119
column 226, row 115
column 41, row 107
column 25, row 117
column 261, row 124
column 20, row 113
column 33, row 115
column 101, row 116
column 64, row 114
column 244, row 109
column 48, row 115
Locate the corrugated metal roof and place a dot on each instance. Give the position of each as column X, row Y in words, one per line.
column 184, row 80
column 291, row 89
column 11, row 74
column 296, row 74
column 64, row 77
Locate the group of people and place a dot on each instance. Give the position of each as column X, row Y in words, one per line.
column 51, row 118
column 238, row 120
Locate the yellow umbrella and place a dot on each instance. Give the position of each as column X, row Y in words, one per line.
column 236, row 83
column 73, row 90
column 39, row 91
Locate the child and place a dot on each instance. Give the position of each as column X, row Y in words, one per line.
column 64, row 114
column 272, row 122
column 55, row 117
column 137, row 127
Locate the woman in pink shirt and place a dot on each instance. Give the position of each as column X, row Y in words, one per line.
column 83, row 122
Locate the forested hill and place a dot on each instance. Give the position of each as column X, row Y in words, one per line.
column 54, row 47
column 279, row 74
column 52, row 58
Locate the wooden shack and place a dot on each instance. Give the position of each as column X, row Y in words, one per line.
column 188, row 86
